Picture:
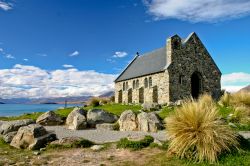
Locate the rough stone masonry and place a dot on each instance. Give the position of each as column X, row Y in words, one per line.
column 182, row 68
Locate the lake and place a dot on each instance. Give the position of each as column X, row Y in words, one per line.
column 18, row 109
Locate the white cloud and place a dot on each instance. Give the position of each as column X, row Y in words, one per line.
column 67, row 66
column 198, row 10
column 235, row 81
column 5, row 6
column 34, row 82
column 9, row 56
column 1, row 49
column 42, row 54
column 25, row 59
column 75, row 53
column 120, row 54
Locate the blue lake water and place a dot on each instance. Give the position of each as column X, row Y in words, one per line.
column 18, row 109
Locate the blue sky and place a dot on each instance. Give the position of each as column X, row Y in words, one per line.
column 96, row 39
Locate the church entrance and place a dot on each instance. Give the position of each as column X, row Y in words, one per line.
column 196, row 87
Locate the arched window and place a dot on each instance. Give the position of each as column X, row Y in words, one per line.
column 145, row 82
column 126, row 85
column 150, row 81
column 123, row 86
column 134, row 86
column 137, row 83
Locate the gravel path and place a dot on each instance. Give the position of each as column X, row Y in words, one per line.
column 105, row 136
column 102, row 136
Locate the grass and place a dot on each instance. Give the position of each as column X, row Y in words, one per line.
column 166, row 111
column 135, row 145
column 196, row 132
column 10, row 155
column 116, row 109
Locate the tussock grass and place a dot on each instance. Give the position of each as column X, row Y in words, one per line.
column 235, row 99
column 196, row 132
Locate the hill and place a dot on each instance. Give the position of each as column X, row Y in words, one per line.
column 247, row 88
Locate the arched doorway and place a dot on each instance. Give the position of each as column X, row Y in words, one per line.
column 196, row 85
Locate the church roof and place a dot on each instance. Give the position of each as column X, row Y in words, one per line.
column 149, row 63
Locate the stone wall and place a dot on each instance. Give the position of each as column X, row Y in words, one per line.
column 185, row 58
column 159, row 80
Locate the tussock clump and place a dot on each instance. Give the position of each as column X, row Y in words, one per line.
column 95, row 101
column 241, row 114
column 196, row 132
column 225, row 99
column 240, row 98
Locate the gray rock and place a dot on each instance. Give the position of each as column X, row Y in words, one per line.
column 10, row 126
column 9, row 136
column 33, row 136
column 97, row 116
column 128, row 121
column 76, row 120
column 232, row 125
column 151, row 106
column 149, row 122
column 158, row 142
column 49, row 118
column 97, row 147
column 106, row 126
column 66, row 140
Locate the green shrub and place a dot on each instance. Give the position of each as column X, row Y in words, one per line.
column 135, row 145
column 94, row 101
column 84, row 143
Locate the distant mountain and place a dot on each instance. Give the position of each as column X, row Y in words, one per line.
column 2, row 103
column 247, row 88
column 108, row 94
column 57, row 100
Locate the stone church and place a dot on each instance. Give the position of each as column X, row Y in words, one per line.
column 182, row 68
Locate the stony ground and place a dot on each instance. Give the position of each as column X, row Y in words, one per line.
column 105, row 136
column 110, row 156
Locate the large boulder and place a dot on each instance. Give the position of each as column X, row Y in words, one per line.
column 10, row 126
column 76, row 120
column 128, row 121
column 9, row 136
column 49, row 118
column 33, row 136
column 149, row 122
column 97, row 116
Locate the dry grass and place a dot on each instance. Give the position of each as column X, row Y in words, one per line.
column 235, row 99
column 241, row 115
column 196, row 132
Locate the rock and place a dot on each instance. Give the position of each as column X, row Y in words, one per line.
column 232, row 125
column 33, row 136
column 36, row 153
column 106, row 126
column 97, row 116
column 149, row 122
column 178, row 102
column 66, row 140
column 1, row 122
column 151, row 106
column 135, row 137
column 158, row 142
column 97, row 147
column 128, row 121
column 10, row 126
column 170, row 104
column 49, row 118
column 76, row 120
column 9, row 136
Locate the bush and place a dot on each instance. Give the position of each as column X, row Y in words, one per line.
column 135, row 145
column 94, row 102
column 84, row 143
column 196, row 132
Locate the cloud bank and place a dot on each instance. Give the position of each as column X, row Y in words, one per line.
column 235, row 81
column 34, row 82
column 75, row 53
column 198, row 10
column 5, row 6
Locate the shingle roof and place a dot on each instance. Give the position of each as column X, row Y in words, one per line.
column 148, row 63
